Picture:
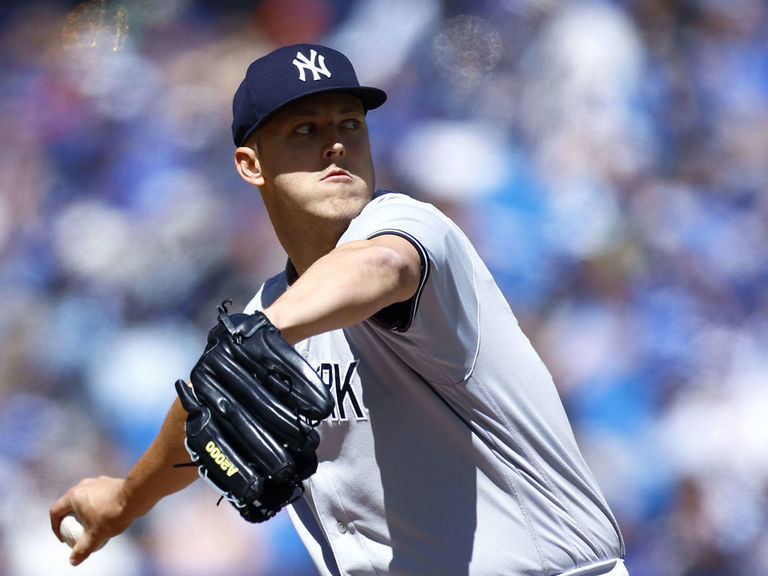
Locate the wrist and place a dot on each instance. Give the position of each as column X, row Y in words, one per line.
column 130, row 502
column 278, row 321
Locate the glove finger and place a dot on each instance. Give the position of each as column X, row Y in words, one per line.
column 187, row 396
column 198, row 415
column 222, row 466
column 270, row 459
column 256, row 443
column 273, row 499
column 305, row 465
column 277, row 364
column 275, row 416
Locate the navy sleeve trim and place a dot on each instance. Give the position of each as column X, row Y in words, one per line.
column 400, row 315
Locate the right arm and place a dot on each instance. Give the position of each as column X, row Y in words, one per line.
column 348, row 285
column 107, row 506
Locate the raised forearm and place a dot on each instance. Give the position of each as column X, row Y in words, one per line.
column 347, row 286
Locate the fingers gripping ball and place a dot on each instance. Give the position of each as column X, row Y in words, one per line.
column 252, row 411
column 71, row 530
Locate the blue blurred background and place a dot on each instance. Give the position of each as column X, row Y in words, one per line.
column 609, row 160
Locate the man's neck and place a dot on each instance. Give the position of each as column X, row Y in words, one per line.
column 308, row 244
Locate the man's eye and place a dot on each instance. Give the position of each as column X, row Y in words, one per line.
column 304, row 129
column 351, row 124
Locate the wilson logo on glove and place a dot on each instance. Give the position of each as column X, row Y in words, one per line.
column 220, row 458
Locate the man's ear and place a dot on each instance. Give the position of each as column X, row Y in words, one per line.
column 248, row 165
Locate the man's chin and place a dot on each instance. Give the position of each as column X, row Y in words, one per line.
column 347, row 206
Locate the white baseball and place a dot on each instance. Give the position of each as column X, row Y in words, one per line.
column 70, row 529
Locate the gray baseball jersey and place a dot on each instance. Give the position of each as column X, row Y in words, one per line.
column 449, row 451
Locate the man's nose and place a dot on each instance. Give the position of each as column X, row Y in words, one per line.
column 336, row 148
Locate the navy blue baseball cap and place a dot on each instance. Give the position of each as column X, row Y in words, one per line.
column 288, row 74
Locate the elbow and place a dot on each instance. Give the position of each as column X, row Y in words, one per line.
column 399, row 274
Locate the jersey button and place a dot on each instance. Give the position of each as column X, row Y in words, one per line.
column 341, row 527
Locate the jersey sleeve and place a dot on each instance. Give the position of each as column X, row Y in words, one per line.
column 445, row 303
column 267, row 294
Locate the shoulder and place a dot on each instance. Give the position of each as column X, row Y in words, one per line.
column 384, row 199
column 268, row 293
column 393, row 211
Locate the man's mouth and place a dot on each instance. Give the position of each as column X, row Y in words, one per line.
column 336, row 173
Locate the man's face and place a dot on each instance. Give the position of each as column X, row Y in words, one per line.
column 315, row 157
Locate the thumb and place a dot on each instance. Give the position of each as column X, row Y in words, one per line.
column 83, row 548
column 79, row 553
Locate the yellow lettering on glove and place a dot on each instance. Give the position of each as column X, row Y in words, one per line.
column 218, row 456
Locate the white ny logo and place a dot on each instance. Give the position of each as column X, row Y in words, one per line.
column 303, row 63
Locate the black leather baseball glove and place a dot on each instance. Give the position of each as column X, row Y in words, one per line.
column 252, row 409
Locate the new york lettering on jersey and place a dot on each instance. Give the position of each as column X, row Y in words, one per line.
column 339, row 378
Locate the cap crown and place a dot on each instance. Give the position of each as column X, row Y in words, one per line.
column 288, row 74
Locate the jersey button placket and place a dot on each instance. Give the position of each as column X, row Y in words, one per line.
column 341, row 527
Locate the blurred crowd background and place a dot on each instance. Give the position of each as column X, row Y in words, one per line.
column 609, row 160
